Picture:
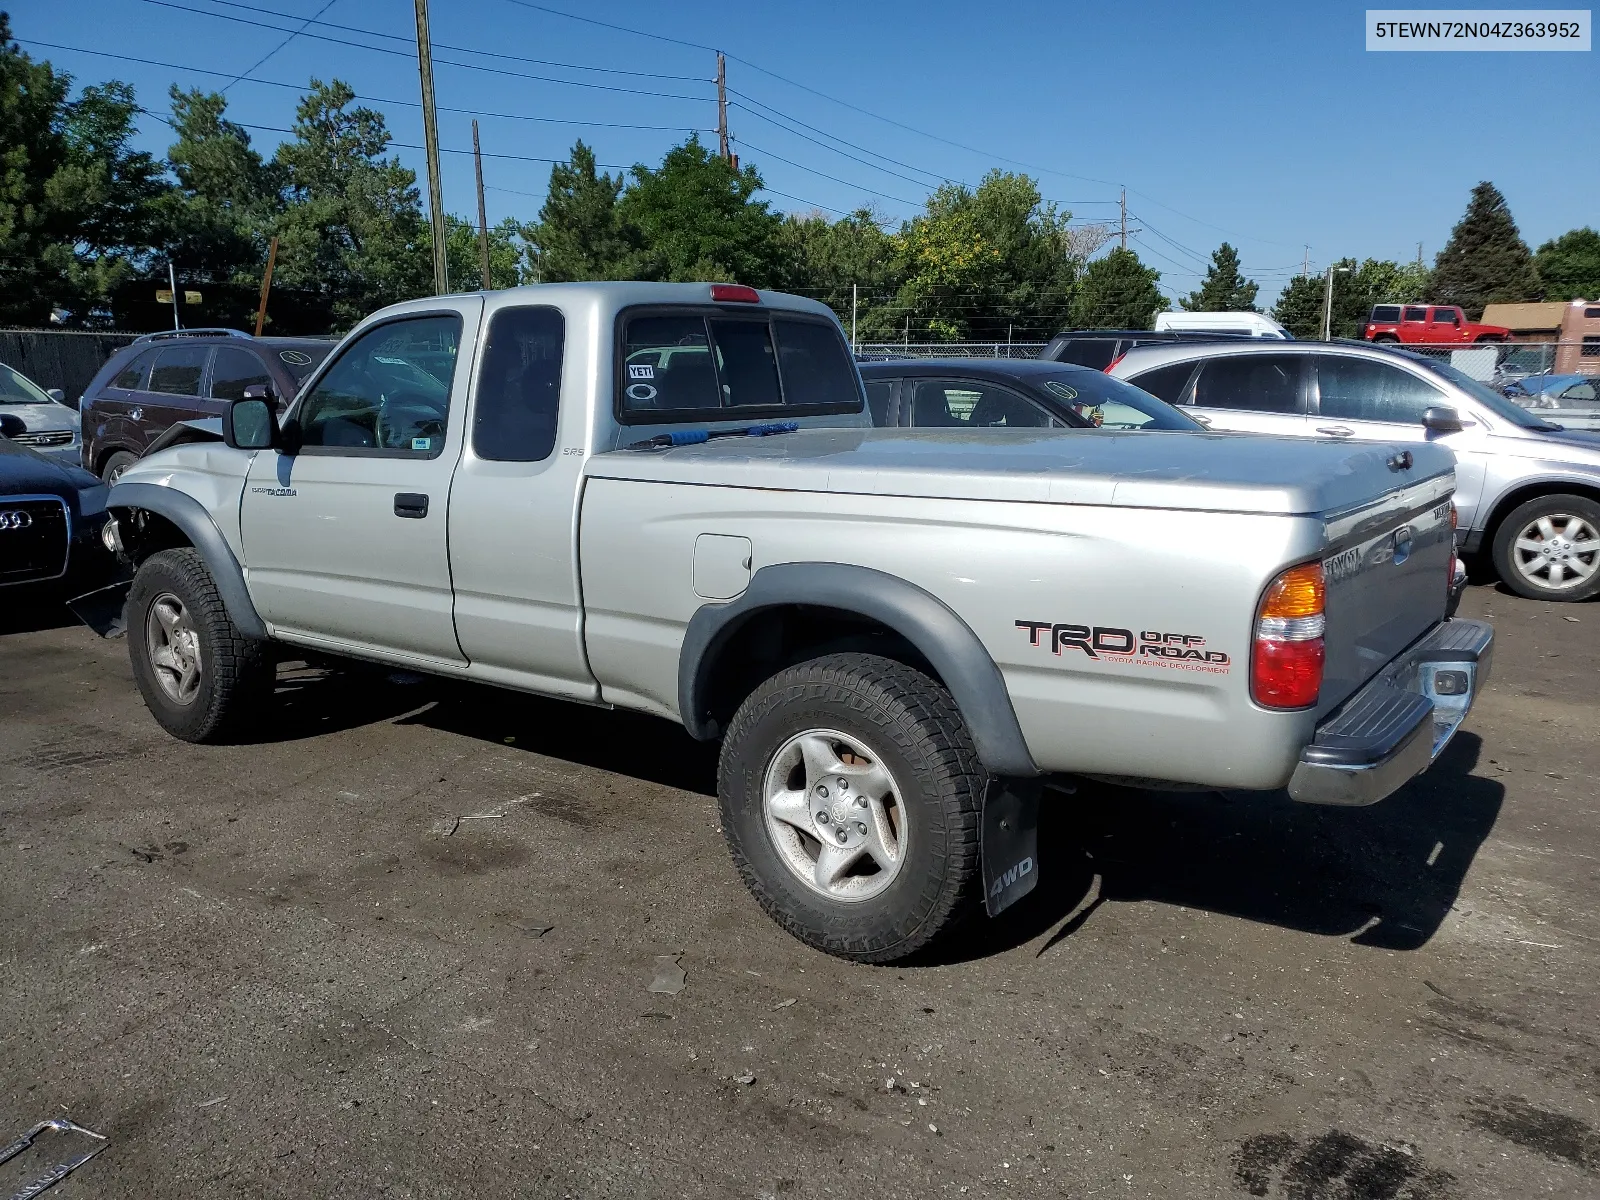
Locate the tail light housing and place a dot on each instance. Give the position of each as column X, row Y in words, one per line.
column 1288, row 655
column 1455, row 519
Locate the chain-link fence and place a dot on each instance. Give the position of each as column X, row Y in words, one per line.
column 880, row 350
column 1504, row 361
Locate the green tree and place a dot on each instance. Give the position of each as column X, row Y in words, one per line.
column 466, row 261
column 1117, row 291
column 1299, row 306
column 1485, row 261
column 695, row 218
column 578, row 234
column 1224, row 289
column 824, row 259
column 989, row 262
column 352, row 230
column 1569, row 266
column 212, row 224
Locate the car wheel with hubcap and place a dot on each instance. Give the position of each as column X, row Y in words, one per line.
column 200, row 677
column 1549, row 548
column 850, row 796
column 112, row 469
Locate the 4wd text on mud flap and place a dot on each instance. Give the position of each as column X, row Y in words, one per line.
column 1011, row 875
column 1150, row 645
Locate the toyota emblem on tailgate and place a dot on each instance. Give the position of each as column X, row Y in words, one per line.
column 15, row 518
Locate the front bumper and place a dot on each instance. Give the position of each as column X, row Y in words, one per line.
column 1395, row 726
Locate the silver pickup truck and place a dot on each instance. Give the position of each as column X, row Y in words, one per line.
column 668, row 498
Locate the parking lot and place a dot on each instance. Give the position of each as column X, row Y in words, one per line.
column 403, row 945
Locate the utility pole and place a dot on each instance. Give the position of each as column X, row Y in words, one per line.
column 430, row 139
column 172, row 290
column 1327, row 302
column 852, row 318
column 1124, row 205
column 722, row 107
column 266, row 285
column 483, row 219
column 1419, row 254
column 1305, row 265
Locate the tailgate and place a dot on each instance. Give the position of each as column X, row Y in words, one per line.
column 1388, row 574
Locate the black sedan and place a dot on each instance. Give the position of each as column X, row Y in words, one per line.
column 977, row 393
column 51, row 515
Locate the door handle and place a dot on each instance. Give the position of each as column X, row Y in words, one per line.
column 410, row 504
column 1335, row 430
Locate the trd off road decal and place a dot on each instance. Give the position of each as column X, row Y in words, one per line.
column 1149, row 648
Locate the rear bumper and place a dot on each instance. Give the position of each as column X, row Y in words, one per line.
column 1395, row 726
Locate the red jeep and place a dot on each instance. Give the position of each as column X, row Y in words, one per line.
column 1429, row 325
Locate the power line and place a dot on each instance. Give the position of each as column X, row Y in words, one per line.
column 411, row 54
column 260, row 61
column 834, row 178
column 277, row 83
column 396, row 37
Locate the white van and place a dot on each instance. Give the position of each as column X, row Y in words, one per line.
column 1248, row 324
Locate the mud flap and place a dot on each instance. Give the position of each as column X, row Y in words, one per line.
column 104, row 610
column 1010, row 842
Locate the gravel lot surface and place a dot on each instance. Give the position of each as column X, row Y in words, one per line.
column 403, row 946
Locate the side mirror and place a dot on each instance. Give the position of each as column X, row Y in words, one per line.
column 11, row 425
column 1442, row 420
column 57, row 395
column 250, row 424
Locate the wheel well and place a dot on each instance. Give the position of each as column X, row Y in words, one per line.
column 1511, row 500
column 105, row 456
column 145, row 533
column 772, row 639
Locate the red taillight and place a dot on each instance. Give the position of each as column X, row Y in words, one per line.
column 737, row 293
column 1287, row 659
column 1110, row 366
column 1454, row 521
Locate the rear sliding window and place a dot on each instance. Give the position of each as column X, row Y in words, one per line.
column 715, row 366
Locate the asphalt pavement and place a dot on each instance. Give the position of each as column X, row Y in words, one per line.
column 403, row 945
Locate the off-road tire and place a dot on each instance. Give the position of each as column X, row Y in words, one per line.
column 236, row 674
column 1385, row 339
column 116, row 465
column 1502, row 553
column 924, row 743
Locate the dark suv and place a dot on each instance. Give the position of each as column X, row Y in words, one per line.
column 163, row 378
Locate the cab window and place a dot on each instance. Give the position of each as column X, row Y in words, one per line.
column 970, row 404
column 1444, row 316
column 132, row 377
column 519, row 386
column 1416, row 314
column 178, row 369
column 388, row 393
column 233, row 371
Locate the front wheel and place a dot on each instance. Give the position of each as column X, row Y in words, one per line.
column 1549, row 548
column 200, row 677
column 850, row 796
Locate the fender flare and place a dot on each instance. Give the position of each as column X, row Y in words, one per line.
column 189, row 515
column 940, row 636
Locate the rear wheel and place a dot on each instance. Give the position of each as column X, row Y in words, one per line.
column 200, row 677
column 1384, row 337
column 1549, row 548
column 1490, row 337
column 111, row 470
column 850, row 797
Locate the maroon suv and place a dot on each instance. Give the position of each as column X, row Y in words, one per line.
column 163, row 378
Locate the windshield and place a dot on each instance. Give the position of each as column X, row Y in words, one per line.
column 19, row 389
column 1112, row 404
column 1485, row 395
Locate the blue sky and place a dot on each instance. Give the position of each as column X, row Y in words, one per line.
column 1267, row 125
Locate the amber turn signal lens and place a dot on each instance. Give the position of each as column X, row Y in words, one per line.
column 1298, row 592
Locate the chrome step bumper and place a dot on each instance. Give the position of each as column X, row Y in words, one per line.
column 1396, row 725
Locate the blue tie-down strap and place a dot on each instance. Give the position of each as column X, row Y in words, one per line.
column 693, row 437
column 775, row 427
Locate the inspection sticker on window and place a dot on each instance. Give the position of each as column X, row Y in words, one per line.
column 1435, row 29
column 421, row 443
column 641, row 371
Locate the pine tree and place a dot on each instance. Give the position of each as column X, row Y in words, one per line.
column 1117, row 292
column 1224, row 288
column 1485, row 261
column 578, row 235
column 1299, row 307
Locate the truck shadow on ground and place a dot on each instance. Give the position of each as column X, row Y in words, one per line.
column 1384, row 875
